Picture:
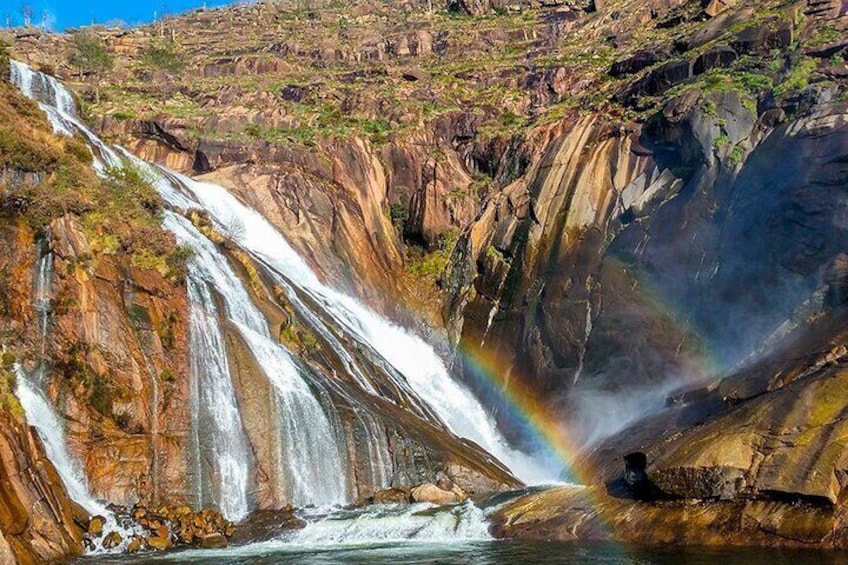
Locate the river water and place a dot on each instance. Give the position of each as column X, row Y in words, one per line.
column 485, row 553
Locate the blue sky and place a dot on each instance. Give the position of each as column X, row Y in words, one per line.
column 63, row 14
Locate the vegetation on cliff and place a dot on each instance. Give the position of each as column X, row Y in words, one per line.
column 46, row 176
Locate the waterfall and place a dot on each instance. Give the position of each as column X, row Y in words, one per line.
column 415, row 362
column 309, row 443
column 41, row 415
column 31, row 391
column 214, row 409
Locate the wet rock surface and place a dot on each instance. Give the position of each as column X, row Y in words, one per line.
column 264, row 525
column 158, row 529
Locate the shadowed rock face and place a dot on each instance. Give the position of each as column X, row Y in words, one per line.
column 757, row 459
column 614, row 270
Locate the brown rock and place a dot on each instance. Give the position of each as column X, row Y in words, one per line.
column 159, row 543
column 391, row 496
column 429, row 492
column 214, row 541
column 185, row 534
column 136, row 544
column 163, row 531
column 95, row 526
column 112, row 540
column 716, row 7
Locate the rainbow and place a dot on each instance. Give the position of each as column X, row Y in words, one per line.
column 546, row 434
column 494, row 377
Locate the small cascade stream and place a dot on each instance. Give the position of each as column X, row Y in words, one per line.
column 40, row 413
column 311, row 446
column 214, row 410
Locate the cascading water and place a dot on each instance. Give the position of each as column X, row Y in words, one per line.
column 40, row 414
column 214, row 408
column 309, row 445
column 423, row 372
column 31, row 393
column 393, row 523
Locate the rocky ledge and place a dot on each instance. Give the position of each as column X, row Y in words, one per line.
column 142, row 528
column 592, row 513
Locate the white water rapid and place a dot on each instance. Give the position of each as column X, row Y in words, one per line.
column 308, row 444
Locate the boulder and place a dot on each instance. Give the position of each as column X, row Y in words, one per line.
column 428, row 492
column 294, row 93
column 163, row 531
column 264, row 525
column 661, row 79
column 136, row 544
column 159, row 543
column 716, row 7
column 214, row 541
column 719, row 57
column 391, row 496
column 635, row 465
column 112, row 540
column 636, row 62
column 763, row 37
column 95, row 526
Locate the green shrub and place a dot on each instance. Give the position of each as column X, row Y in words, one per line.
column 433, row 264
column 102, row 395
column 398, row 214
column 737, row 154
column 798, row 78
column 165, row 56
column 88, row 54
column 4, row 61
column 7, row 359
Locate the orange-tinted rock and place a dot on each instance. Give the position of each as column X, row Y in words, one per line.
column 112, row 540
column 391, row 496
column 213, row 541
column 136, row 544
column 159, row 543
column 95, row 526
column 431, row 493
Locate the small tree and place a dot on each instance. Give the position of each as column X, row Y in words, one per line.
column 89, row 56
